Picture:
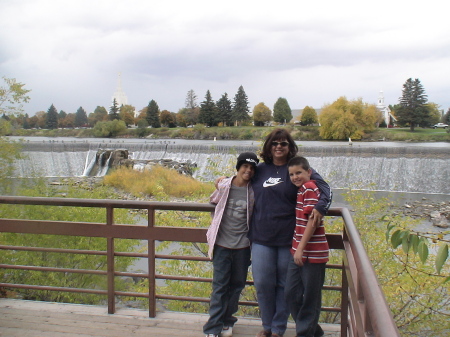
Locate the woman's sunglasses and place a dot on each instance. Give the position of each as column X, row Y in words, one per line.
column 280, row 143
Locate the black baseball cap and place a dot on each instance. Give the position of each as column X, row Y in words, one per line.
column 247, row 157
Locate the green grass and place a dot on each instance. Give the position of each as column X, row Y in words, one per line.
column 419, row 134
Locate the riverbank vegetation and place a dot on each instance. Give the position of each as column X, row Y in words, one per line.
column 199, row 131
column 158, row 183
column 69, row 188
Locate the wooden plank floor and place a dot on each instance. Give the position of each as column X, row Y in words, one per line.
column 19, row 318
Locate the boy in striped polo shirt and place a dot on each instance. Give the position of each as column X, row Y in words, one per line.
column 306, row 269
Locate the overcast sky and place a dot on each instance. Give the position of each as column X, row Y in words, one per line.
column 69, row 53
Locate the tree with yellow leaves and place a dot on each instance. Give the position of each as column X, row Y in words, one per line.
column 345, row 119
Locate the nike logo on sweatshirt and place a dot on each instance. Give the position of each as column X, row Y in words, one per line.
column 272, row 182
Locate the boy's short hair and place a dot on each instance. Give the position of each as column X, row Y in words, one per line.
column 299, row 161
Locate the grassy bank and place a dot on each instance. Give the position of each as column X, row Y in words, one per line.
column 245, row 133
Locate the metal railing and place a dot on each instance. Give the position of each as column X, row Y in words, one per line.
column 363, row 309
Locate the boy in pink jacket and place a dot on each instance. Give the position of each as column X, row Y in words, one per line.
column 229, row 246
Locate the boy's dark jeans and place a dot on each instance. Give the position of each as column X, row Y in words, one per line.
column 230, row 274
column 304, row 295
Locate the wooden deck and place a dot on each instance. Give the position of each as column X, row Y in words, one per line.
column 19, row 318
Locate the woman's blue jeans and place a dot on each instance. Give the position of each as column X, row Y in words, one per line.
column 230, row 274
column 269, row 267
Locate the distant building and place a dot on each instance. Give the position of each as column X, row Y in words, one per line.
column 119, row 95
column 388, row 117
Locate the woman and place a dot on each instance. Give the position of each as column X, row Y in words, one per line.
column 272, row 228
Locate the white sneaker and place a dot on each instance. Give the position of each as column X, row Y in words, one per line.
column 211, row 335
column 227, row 331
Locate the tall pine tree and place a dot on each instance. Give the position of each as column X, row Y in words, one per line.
column 282, row 112
column 224, row 110
column 208, row 111
column 80, row 117
column 51, row 122
column 114, row 111
column 152, row 115
column 413, row 109
column 240, row 107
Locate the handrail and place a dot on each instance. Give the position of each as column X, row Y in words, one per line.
column 364, row 310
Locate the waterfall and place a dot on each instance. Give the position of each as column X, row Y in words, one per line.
column 401, row 169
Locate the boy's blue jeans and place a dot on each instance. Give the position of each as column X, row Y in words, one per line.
column 304, row 295
column 230, row 274
column 269, row 267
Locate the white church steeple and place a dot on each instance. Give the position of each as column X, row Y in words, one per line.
column 386, row 112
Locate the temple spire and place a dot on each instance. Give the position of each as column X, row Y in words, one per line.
column 119, row 95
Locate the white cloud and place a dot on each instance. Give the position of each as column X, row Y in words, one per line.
column 69, row 53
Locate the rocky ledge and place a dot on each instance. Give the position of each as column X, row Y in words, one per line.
column 437, row 213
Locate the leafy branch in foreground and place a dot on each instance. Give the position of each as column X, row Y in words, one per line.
column 418, row 243
column 417, row 297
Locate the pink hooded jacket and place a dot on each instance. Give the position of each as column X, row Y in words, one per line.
column 219, row 197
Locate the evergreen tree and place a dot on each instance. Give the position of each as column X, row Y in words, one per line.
column 208, row 111
column 62, row 114
column 224, row 110
column 282, row 112
column 240, row 107
column 51, row 122
column 114, row 111
column 152, row 116
column 446, row 117
column 413, row 108
column 26, row 122
column 80, row 117
column 191, row 100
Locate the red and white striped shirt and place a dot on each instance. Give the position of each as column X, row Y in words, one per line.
column 317, row 250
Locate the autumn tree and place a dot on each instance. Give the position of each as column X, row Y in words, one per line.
column 114, row 111
column 308, row 116
column 168, row 119
column 68, row 121
column 224, row 110
column 261, row 114
column 99, row 115
column 282, row 112
column 153, row 114
column 435, row 114
column 240, row 107
column 126, row 114
column 345, row 119
column 208, row 111
column 81, row 117
column 186, row 117
column 12, row 96
column 51, row 121
column 413, row 108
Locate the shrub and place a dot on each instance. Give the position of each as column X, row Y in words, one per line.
column 159, row 182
